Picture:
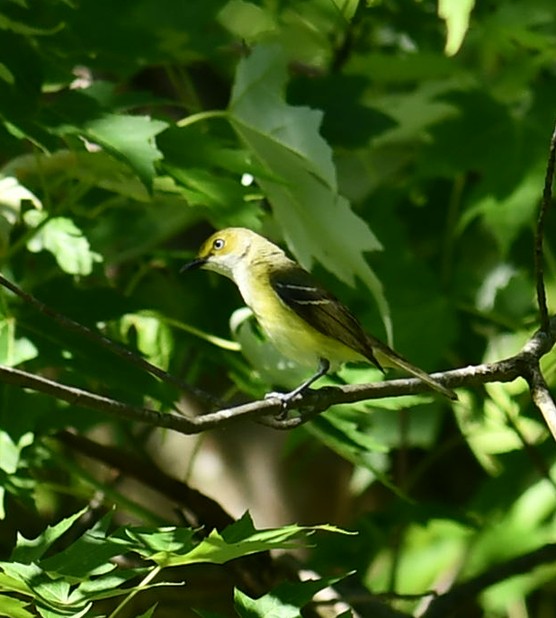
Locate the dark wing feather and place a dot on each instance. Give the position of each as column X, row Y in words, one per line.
column 297, row 289
column 325, row 313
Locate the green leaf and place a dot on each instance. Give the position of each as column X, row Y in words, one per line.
column 267, row 606
column 61, row 237
column 63, row 612
column 129, row 138
column 30, row 550
column 208, row 172
column 89, row 555
column 317, row 221
column 498, row 427
column 348, row 438
column 125, row 37
column 14, row 608
column 153, row 337
column 13, row 584
column 157, row 543
column 148, row 224
column 246, row 20
column 505, row 217
column 456, row 14
column 489, row 129
column 242, row 539
column 202, row 188
column 11, row 451
column 14, row 351
column 34, row 579
column 66, row 583
column 347, row 8
column 285, row 601
column 12, row 195
column 107, row 585
column 23, row 72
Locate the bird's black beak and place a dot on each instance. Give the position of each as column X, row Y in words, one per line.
column 196, row 263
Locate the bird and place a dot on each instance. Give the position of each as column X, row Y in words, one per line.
column 304, row 321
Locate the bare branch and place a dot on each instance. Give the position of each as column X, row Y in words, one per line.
column 85, row 399
column 310, row 404
column 542, row 398
column 539, row 235
column 316, row 401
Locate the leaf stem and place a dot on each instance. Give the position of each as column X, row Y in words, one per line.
column 200, row 116
column 144, row 583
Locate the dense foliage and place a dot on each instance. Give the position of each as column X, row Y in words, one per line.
column 395, row 148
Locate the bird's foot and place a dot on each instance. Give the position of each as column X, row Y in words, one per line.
column 285, row 400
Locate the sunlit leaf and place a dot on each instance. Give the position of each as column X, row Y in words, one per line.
column 14, row 608
column 246, row 20
column 130, row 138
column 61, row 237
column 14, row 350
column 154, row 339
column 317, row 221
column 284, row 601
column 456, row 14
column 242, row 539
column 30, row 550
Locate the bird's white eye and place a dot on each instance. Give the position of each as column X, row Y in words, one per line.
column 218, row 244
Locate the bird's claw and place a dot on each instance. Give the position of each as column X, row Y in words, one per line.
column 284, row 399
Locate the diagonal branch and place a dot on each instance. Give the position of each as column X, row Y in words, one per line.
column 539, row 234
column 85, row 399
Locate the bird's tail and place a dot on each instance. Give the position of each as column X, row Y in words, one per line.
column 387, row 356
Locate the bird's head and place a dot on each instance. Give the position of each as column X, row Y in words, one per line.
column 224, row 251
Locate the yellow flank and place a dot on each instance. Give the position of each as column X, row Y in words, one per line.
column 292, row 335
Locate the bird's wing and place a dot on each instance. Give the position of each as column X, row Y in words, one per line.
column 299, row 291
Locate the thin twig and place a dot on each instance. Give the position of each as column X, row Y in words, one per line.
column 169, row 420
column 108, row 344
column 539, row 234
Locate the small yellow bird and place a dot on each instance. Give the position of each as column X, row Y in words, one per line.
column 304, row 321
